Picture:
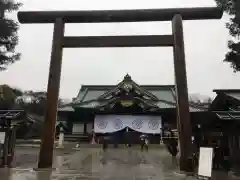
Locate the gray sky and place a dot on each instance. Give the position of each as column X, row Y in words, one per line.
column 205, row 45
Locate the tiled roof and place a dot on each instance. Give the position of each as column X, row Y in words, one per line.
column 160, row 104
column 234, row 93
column 66, row 108
column 161, row 96
column 10, row 113
column 90, row 104
column 88, row 93
column 93, row 92
column 228, row 115
column 164, row 94
column 197, row 109
column 163, row 105
column 16, row 117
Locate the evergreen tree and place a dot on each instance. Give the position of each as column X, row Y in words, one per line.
column 7, row 97
column 8, row 34
column 232, row 7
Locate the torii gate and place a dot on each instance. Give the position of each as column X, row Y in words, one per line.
column 176, row 40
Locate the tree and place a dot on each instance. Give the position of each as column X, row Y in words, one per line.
column 8, row 34
column 34, row 102
column 8, row 96
column 232, row 7
column 18, row 92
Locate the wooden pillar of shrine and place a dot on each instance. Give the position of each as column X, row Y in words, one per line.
column 183, row 115
column 47, row 144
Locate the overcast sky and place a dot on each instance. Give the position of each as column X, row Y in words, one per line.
column 205, row 45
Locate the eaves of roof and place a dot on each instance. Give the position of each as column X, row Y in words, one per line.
column 228, row 115
column 159, row 104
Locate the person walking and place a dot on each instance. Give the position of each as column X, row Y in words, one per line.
column 142, row 141
column 105, row 143
column 146, row 143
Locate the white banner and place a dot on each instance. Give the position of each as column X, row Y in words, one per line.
column 113, row 123
column 205, row 162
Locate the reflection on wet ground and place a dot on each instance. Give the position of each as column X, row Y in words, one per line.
column 94, row 164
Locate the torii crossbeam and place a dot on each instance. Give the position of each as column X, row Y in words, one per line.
column 176, row 40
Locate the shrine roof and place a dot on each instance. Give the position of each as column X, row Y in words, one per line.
column 234, row 93
column 228, row 115
column 97, row 96
column 11, row 114
column 88, row 93
column 226, row 99
column 16, row 116
column 160, row 104
column 66, row 107
column 93, row 92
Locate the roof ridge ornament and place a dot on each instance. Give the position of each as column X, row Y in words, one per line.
column 127, row 77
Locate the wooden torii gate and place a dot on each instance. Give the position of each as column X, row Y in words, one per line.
column 176, row 40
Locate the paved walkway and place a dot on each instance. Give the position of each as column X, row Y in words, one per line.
column 115, row 164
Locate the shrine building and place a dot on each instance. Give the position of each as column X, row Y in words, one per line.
column 127, row 106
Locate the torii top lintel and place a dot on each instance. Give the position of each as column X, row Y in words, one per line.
column 101, row 16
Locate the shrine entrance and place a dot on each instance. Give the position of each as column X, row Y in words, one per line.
column 127, row 129
column 175, row 40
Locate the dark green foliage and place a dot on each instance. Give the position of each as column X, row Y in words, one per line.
column 8, row 34
column 7, row 97
column 232, row 7
column 37, row 104
column 17, row 92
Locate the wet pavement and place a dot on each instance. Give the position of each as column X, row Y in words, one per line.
column 92, row 163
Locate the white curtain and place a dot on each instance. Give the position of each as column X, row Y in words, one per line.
column 113, row 123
